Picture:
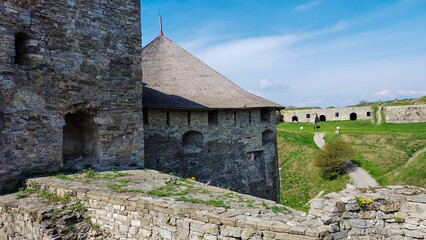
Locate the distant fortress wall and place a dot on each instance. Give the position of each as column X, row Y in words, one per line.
column 405, row 114
column 329, row 114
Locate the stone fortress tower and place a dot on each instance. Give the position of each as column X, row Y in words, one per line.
column 199, row 124
column 70, row 86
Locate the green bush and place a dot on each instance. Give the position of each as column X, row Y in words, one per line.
column 331, row 160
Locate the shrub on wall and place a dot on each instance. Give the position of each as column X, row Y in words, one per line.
column 332, row 159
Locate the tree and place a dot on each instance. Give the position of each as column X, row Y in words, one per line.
column 332, row 159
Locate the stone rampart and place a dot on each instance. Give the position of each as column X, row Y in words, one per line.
column 405, row 114
column 328, row 114
column 132, row 215
column 393, row 212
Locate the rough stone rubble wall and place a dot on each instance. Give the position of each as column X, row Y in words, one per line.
column 344, row 218
column 231, row 153
column 329, row 113
column 81, row 56
column 405, row 114
column 134, row 216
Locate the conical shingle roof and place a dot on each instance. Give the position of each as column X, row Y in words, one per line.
column 173, row 78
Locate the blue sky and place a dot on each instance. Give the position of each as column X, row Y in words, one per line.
column 303, row 53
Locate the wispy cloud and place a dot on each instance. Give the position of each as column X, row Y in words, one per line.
column 306, row 6
column 383, row 94
column 272, row 85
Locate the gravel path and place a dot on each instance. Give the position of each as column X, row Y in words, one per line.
column 359, row 177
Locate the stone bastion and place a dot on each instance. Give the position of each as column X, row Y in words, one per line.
column 145, row 204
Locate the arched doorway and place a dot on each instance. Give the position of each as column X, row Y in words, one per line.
column 353, row 116
column 322, row 118
column 294, row 119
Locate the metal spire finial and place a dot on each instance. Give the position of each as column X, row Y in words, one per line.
column 161, row 25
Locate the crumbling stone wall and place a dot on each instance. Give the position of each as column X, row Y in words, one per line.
column 393, row 212
column 330, row 114
column 59, row 58
column 405, row 114
column 238, row 150
column 137, row 216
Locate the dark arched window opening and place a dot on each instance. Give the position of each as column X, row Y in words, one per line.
column 192, row 141
column 368, row 114
column 353, row 116
column 268, row 136
column 336, row 114
column 80, row 136
column 294, row 119
column 20, row 49
column 322, row 118
column 308, row 115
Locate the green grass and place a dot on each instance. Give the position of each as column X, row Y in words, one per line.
column 400, row 102
column 383, row 150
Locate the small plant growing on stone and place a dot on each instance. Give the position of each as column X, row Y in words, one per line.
column 398, row 219
column 265, row 205
column 250, row 203
column 363, row 202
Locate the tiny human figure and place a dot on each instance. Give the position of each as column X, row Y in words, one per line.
column 314, row 127
column 318, row 127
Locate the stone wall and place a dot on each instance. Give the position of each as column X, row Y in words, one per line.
column 237, row 149
column 131, row 215
column 405, row 114
column 393, row 212
column 329, row 114
column 69, row 74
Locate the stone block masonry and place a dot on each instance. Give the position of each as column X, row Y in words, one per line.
column 229, row 148
column 134, row 215
column 132, row 211
column 328, row 114
column 393, row 212
column 70, row 86
column 405, row 114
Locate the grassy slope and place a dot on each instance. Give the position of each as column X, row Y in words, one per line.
column 382, row 150
column 411, row 101
column 300, row 180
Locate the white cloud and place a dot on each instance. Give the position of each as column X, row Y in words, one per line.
column 382, row 94
column 306, row 6
column 271, row 85
column 411, row 93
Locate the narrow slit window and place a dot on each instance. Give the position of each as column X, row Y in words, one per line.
column 235, row 118
column 145, row 116
column 189, row 117
column 168, row 118
column 20, row 49
column 249, row 116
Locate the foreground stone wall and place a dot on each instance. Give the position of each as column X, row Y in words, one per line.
column 329, row 114
column 70, row 85
column 131, row 215
column 405, row 114
column 237, row 150
column 394, row 212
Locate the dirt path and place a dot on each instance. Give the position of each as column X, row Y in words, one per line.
column 319, row 139
column 359, row 177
